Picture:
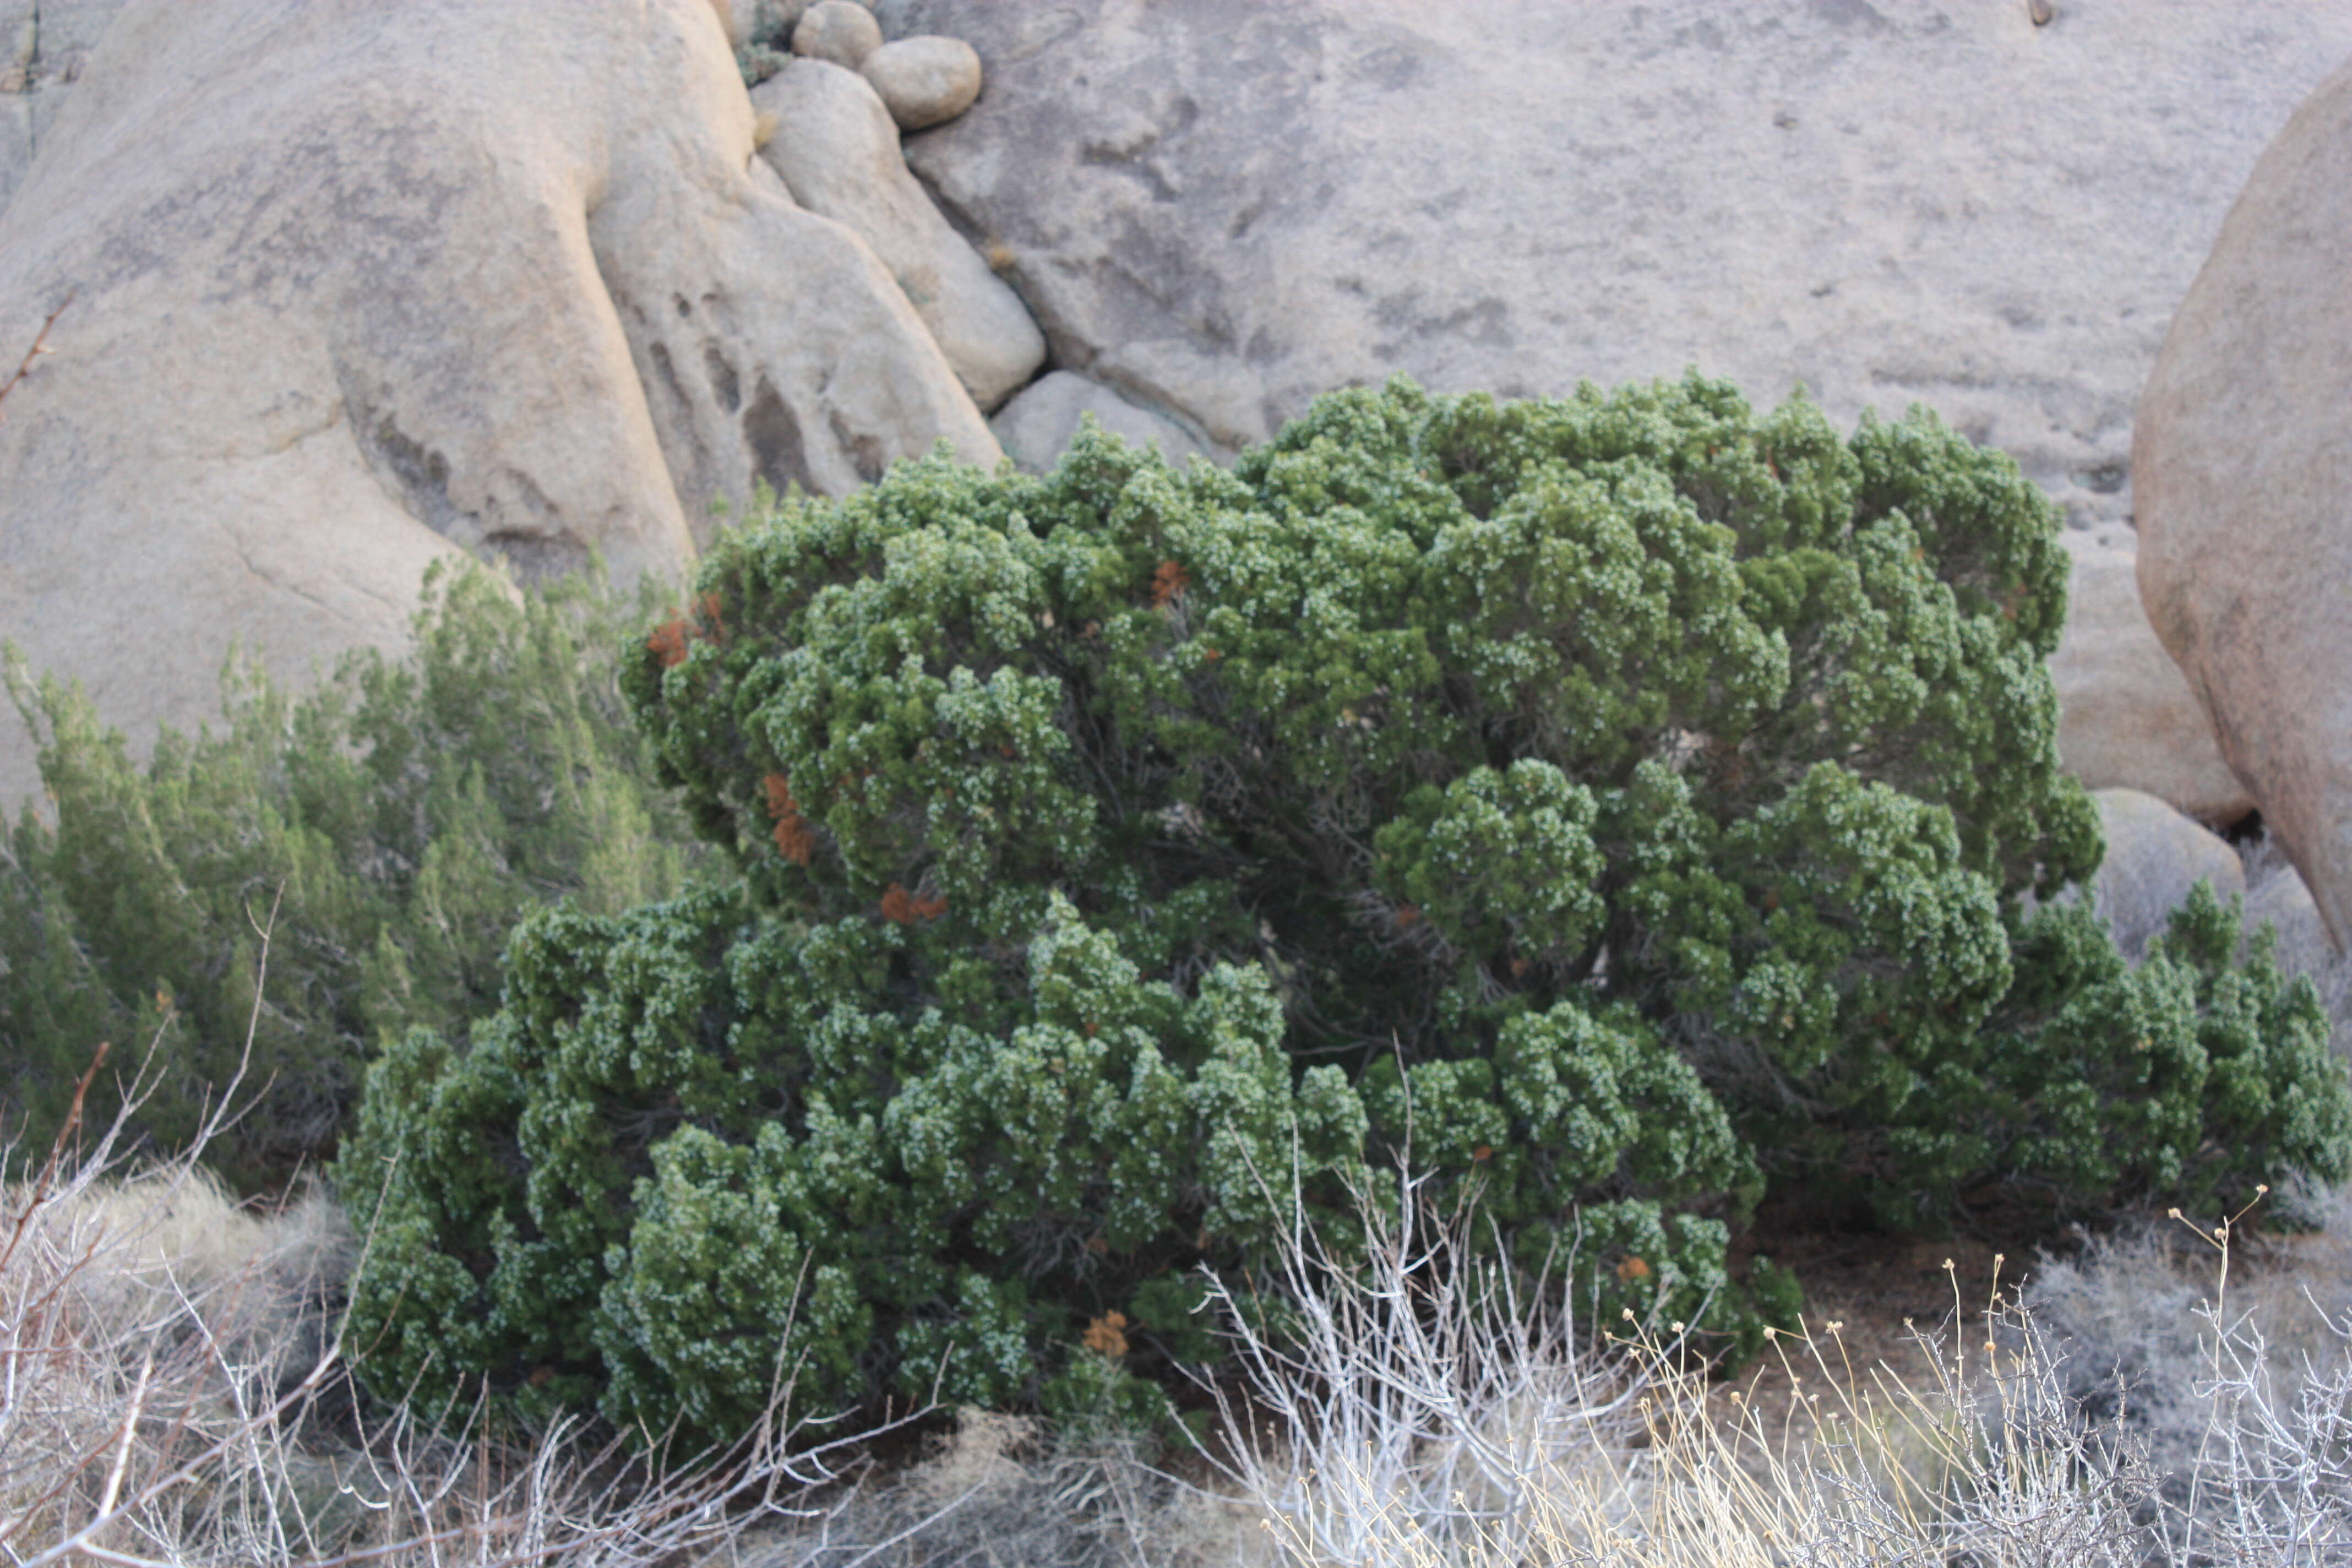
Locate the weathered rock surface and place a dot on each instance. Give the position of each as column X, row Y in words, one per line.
column 839, row 31
column 837, row 150
column 1238, row 205
column 2125, row 715
column 43, row 46
column 2243, row 462
column 924, row 81
column 356, row 286
column 2155, row 856
column 1037, row 426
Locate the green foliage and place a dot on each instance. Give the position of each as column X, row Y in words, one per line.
column 386, row 830
column 1626, row 805
column 698, row 1134
column 2224, row 1078
column 756, row 62
column 767, row 44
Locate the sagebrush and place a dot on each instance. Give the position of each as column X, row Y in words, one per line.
column 395, row 821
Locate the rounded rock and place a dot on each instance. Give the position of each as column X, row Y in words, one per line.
column 2242, row 464
column 1039, row 423
column 2155, row 856
column 2281, row 901
column 839, row 31
column 837, row 150
column 165, row 497
column 924, row 81
column 767, row 22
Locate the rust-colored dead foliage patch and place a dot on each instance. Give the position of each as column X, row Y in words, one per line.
column 671, row 640
column 1169, row 584
column 906, row 909
column 795, row 840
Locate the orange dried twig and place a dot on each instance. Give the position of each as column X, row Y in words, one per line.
column 40, row 346
column 668, row 642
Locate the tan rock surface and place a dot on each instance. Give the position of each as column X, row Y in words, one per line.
column 356, row 286
column 2243, row 462
column 1037, row 426
column 836, row 148
column 839, row 31
column 2126, row 717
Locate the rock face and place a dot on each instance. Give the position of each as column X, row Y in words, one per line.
column 837, row 150
column 2126, row 717
column 44, row 44
column 355, row 285
column 1223, row 207
column 2242, row 457
column 1239, row 204
column 2155, row 856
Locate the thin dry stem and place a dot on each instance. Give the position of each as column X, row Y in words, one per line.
column 40, row 346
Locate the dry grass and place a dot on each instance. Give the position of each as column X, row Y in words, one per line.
column 1420, row 1414
column 171, row 1392
column 1003, row 1491
column 172, row 1395
column 1419, row 1408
